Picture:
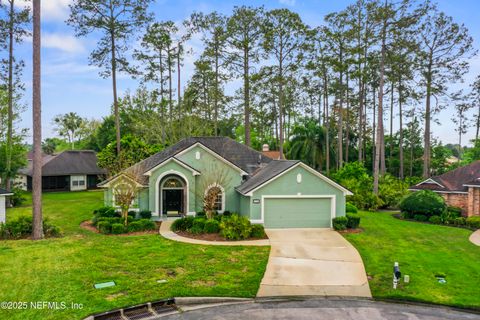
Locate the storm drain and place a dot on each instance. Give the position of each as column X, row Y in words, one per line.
column 144, row 311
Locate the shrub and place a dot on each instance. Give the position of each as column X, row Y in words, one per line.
column 420, row 217
column 22, row 227
column 258, row 231
column 353, row 221
column 145, row 214
column 235, row 227
column 424, row 202
column 104, row 227
column 18, row 197
column 201, row 214
column 391, row 190
column 227, row 213
column 339, row 223
column 460, row 221
column 350, row 208
column 182, row 224
column 135, row 226
column 146, row 224
column 211, row 226
column 435, row 220
column 454, row 211
column 118, row 228
column 198, row 226
column 106, row 212
column 473, row 222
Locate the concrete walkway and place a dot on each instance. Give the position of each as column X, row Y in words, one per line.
column 312, row 262
column 167, row 233
column 475, row 238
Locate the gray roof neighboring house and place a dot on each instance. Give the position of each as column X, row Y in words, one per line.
column 70, row 162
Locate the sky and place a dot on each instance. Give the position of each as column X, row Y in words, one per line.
column 69, row 83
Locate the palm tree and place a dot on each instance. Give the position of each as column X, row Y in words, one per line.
column 37, row 128
column 307, row 143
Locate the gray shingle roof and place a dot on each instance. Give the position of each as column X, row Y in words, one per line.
column 266, row 173
column 453, row 181
column 238, row 154
column 67, row 163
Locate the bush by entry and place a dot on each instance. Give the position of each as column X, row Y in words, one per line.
column 350, row 221
column 230, row 227
column 108, row 221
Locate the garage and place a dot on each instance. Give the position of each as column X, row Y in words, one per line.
column 298, row 212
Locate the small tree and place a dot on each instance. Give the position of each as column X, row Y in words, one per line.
column 211, row 184
column 125, row 191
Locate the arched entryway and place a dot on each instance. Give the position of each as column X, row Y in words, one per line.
column 173, row 195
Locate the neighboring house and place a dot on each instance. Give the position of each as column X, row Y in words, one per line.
column 272, row 154
column 276, row 193
column 71, row 170
column 459, row 187
column 3, row 194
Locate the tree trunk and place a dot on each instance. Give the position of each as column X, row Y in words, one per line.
column 347, row 129
column 179, row 93
column 215, row 122
column 380, row 144
column 246, row 97
column 340, row 119
column 280, row 104
column 114, row 87
column 9, row 146
column 374, row 128
column 170, row 93
column 426, row 150
column 327, row 126
column 37, row 232
column 400, row 139
column 390, row 147
column 478, row 123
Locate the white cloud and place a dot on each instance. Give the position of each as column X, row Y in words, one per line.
column 51, row 9
column 290, row 3
column 64, row 42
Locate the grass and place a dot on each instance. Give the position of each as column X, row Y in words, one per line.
column 65, row 269
column 423, row 251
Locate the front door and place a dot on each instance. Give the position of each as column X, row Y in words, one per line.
column 173, row 201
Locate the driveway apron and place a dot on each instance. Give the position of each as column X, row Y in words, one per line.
column 312, row 262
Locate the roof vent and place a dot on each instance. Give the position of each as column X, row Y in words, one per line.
column 265, row 147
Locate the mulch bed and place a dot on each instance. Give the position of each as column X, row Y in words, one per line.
column 358, row 230
column 87, row 225
column 210, row 236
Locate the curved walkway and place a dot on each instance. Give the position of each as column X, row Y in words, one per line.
column 167, row 233
column 475, row 238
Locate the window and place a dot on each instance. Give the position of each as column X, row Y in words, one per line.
column 78, row 181
column 172, row 183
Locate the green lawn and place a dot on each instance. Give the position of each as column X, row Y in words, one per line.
column 423, row 250
column 65, row 269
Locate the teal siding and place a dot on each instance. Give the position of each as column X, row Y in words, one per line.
column 287, row 185
column 244, row 206
column 143, row 200
column 171, row 168
column 297, row 213
column 209, row 166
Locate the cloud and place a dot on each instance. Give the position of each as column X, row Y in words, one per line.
column 51, row 9
column 64, row 42
column 290, row 3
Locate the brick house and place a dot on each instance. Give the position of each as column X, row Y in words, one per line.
column 459, row 187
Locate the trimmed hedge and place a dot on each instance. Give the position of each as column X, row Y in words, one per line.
column 473, row 222
column 197, row 226
column 118, row 228
column 426, row 203
column 340, row 223
column 435, row 220
column 145, row 214
column 350, row 208
column 235, row 227
column 353, row 221
column 211, row 226
column 258, row 231
column 104, row 227
column 22, row 227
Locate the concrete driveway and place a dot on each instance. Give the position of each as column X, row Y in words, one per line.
column 312, row 262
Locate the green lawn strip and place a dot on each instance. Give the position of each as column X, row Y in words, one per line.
column 423, row 251
column 66, row 269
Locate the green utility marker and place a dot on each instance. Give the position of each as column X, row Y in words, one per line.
column 104, row 285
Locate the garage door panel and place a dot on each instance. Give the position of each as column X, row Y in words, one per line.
column 297, row 212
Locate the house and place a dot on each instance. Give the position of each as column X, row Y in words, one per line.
column 276, row 193
column 71, row 170
column 273, row 154
column 459, row 187
column 3, row 194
